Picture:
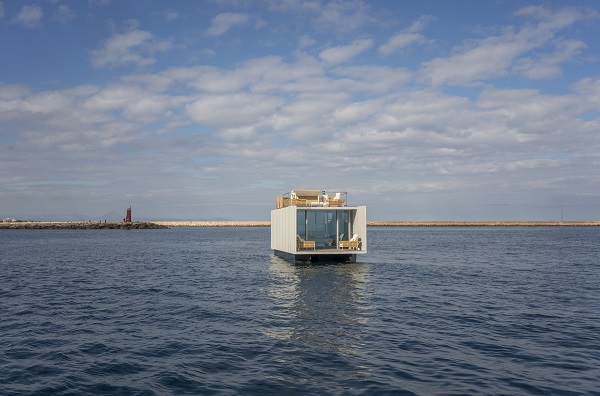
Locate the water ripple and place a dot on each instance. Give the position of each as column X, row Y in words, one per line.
column 211, row 311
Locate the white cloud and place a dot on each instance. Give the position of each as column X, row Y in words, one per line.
column 232, row 110
column 205, row 130
column 406, row 37
column 356, row 112
column 589, row 88
column 98, row 3
column 494, row 56
column 405, row 140
column 312, row 6
column 306, row 41
column 29, row 17
column 64, row 14
column 488, row 58
column 343, row 15
column 12, row 91
column 171, row 15
column 400, row 41
column 376, row 80
column 133, row 102
column 133, row 47
column 222, row 23
column 546, row 66
column 337, row 55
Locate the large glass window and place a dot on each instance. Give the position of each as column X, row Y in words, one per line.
column 301, row 223
column 344, row 222
column 325, row 227
column 322, row 228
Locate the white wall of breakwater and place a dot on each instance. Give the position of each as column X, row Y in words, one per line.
column 165, row 224
column 214, row 223
column 394, row 223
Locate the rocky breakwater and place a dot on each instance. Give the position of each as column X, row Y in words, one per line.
column 83, row 225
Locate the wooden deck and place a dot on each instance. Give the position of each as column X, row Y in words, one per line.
column 329, row 251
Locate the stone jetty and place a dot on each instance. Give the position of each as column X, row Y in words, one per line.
column 81, row 225
column 417, row 223
column 398, row 223
column 215, row 223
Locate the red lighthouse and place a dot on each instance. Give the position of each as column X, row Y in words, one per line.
column 128, row 215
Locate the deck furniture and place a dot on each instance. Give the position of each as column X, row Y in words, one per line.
column 302, row 244
column 310, row 199
column 353, row 243
column 335, row 200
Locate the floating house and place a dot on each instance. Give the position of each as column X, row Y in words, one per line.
column 316, row 225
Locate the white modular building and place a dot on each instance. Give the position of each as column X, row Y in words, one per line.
column 314, row 225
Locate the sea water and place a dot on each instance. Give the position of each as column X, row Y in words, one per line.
column 212, row 311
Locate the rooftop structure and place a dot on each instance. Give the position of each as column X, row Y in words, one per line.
column 316, row 225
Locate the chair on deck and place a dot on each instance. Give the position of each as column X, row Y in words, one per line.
column 353, row 243
column 302, row 244
column 336, row 200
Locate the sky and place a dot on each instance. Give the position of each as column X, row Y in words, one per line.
column 204, row 110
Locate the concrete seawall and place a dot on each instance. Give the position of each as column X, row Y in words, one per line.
column 169, row 224
column 214, row 223
column 483, row 223
column 396, row 223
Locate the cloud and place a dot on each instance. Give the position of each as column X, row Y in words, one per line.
column 413, row 141
column 406, row 37
column 179, row 140
column 494, row 56
column 374, row 80
column 311, row 6
column 306, row 41
column 133, row 47
column 338, row 15
column 64, row 14
column 29, row 17
column 337, row 55
column 171, row 15
column 98, row 3
column 133, row 102
column 589, row 88
column 343, row 15
column 1, row 10
column 547, row 66
column 400, row 41
column 222, row 23
column 232, row 110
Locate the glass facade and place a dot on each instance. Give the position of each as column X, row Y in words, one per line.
column 326, row 227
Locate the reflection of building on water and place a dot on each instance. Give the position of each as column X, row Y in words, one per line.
column 322, row 306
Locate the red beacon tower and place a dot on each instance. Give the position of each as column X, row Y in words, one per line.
column 128, row 215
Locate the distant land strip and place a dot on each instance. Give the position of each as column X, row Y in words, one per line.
column 79, row 225
column 393, row 223
column 214, row 223
column 416, row 223
column 93, row 225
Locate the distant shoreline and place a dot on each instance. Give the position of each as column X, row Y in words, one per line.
column 89, row 225
column 394, row 223
column 416, row 223
column 79, row 225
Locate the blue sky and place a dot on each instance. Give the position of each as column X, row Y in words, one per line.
column 432, row 110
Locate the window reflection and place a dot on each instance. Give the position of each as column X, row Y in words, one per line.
column 325, row 227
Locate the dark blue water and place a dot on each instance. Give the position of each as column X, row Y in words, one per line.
column 211, row 311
